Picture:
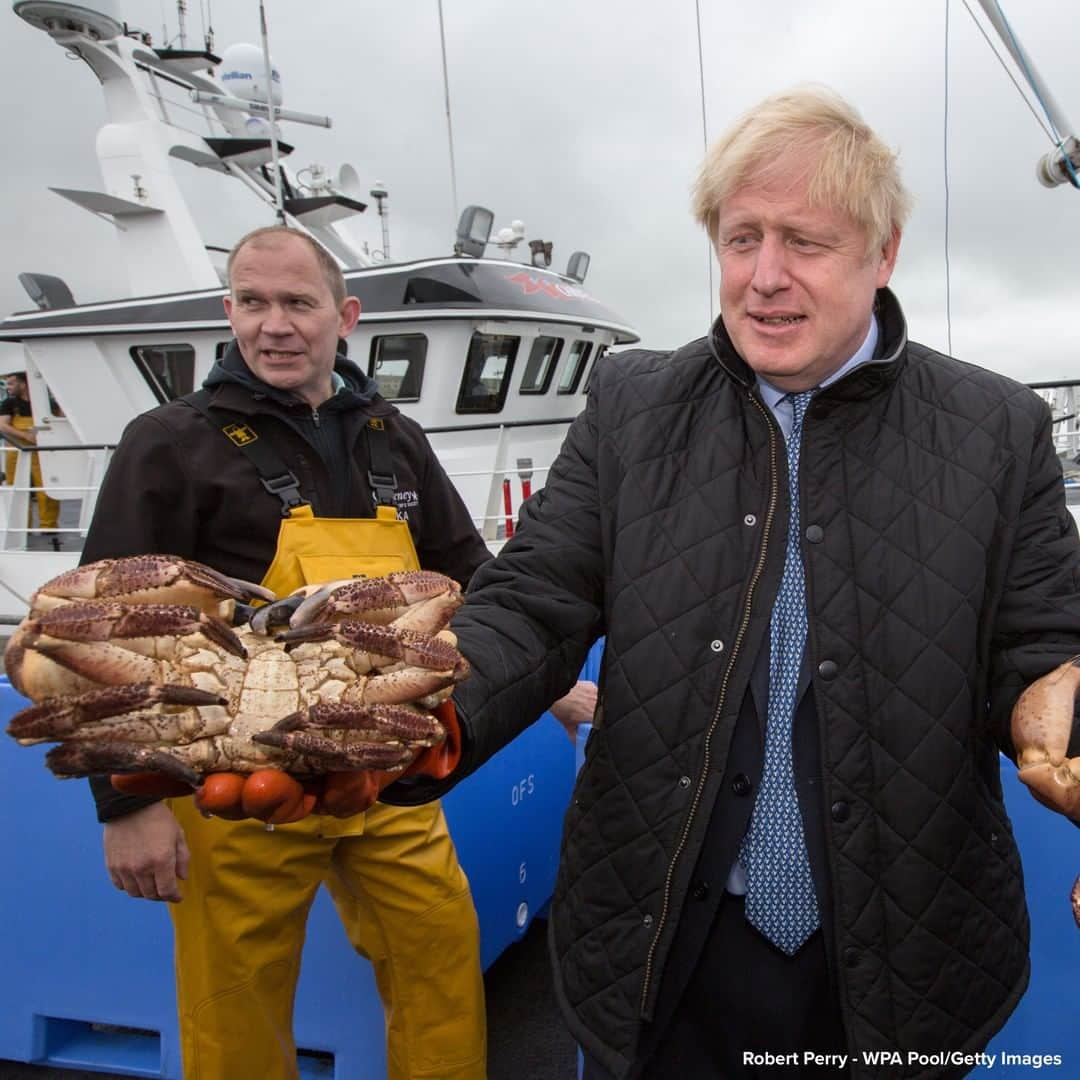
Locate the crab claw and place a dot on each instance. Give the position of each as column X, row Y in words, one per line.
column 59, row 718
column 1042, row 725
column 148, row 579
column 375, row 600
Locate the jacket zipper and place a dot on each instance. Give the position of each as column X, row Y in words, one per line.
column 314, row 416
column 736, row 647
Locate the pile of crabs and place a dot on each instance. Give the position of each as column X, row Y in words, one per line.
column 159, row 672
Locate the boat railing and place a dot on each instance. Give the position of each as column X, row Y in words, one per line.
column 75, row 483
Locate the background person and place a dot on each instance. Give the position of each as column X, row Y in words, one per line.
column 17, row 426
column 827, row 560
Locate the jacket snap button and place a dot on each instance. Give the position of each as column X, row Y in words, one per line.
column 717, row 645
column 699, row 890
column 684, row 781
column 841, row 811
column 995, row 839
column 815, row 534
column 828, row 669
column 750, row 519
column 851, row 957
column 647, row 921
column 741, row 784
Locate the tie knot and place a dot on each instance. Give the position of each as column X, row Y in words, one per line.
column 799, row 404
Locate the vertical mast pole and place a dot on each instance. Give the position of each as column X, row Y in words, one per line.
column 279, row 200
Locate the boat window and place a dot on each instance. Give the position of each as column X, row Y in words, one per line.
column 397, row 365
column 487, row 373
column 220, row 347
column 601, row 350
column 169, row 370
column 543, row 357
column 575, row 364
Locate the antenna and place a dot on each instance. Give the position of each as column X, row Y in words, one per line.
column 279, row 199
column 380, row 194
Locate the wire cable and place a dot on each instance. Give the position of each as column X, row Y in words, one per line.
column 705, row 142
column 1056, row 137
column 1005, row 68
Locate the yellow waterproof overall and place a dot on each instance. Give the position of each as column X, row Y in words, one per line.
column 48, row 508
column 392, row 872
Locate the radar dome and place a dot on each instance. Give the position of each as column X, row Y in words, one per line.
column 243, row 73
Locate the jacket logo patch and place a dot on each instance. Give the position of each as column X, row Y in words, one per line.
column 240, row 434
column 375, row 423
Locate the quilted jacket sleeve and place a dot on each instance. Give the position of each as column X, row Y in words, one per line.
column 1038, row 618
column 532, row 613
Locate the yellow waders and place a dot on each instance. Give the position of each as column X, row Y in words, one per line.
column 48, row 508
column 393, row 874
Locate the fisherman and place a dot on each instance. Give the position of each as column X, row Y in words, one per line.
column 827, row 561
column 289, row 467
column 17, row 426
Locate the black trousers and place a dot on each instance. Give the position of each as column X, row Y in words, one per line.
column 745, row 1001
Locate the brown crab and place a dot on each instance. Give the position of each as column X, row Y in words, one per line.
column 1042, row 727
column 169, row 688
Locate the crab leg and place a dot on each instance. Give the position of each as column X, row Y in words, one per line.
column 387, row 645
column 147, row 579
column 343, row 753
column 395, row 721
column 66, row 717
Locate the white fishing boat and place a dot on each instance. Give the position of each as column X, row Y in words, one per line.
column 491, row 355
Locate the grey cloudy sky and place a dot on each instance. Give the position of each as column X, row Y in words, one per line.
column 583, row 119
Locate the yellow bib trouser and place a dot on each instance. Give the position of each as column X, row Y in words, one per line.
column 48, row 508
column 393, row 875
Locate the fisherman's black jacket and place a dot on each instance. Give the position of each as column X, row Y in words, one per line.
column 176, row 485
column 942, row 576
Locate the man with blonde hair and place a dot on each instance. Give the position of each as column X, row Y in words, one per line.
column 827, row 560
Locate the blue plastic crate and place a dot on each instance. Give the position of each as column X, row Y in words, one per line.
column 88, row 974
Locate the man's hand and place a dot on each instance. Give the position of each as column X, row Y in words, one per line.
column 577, row 707
column 146, row 854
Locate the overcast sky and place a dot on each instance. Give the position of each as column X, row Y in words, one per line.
column 583, row 119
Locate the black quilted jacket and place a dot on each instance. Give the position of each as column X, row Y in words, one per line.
column 943, row 575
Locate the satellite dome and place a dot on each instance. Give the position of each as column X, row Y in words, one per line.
column 243, row 73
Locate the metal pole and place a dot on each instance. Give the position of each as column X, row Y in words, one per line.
column 1024, row 62
column 279, row 198
column 449, row 125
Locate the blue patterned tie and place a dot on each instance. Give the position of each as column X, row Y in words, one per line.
column 780, row 898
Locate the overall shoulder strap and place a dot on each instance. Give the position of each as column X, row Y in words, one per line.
column 275, row 477
column 380, row 462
